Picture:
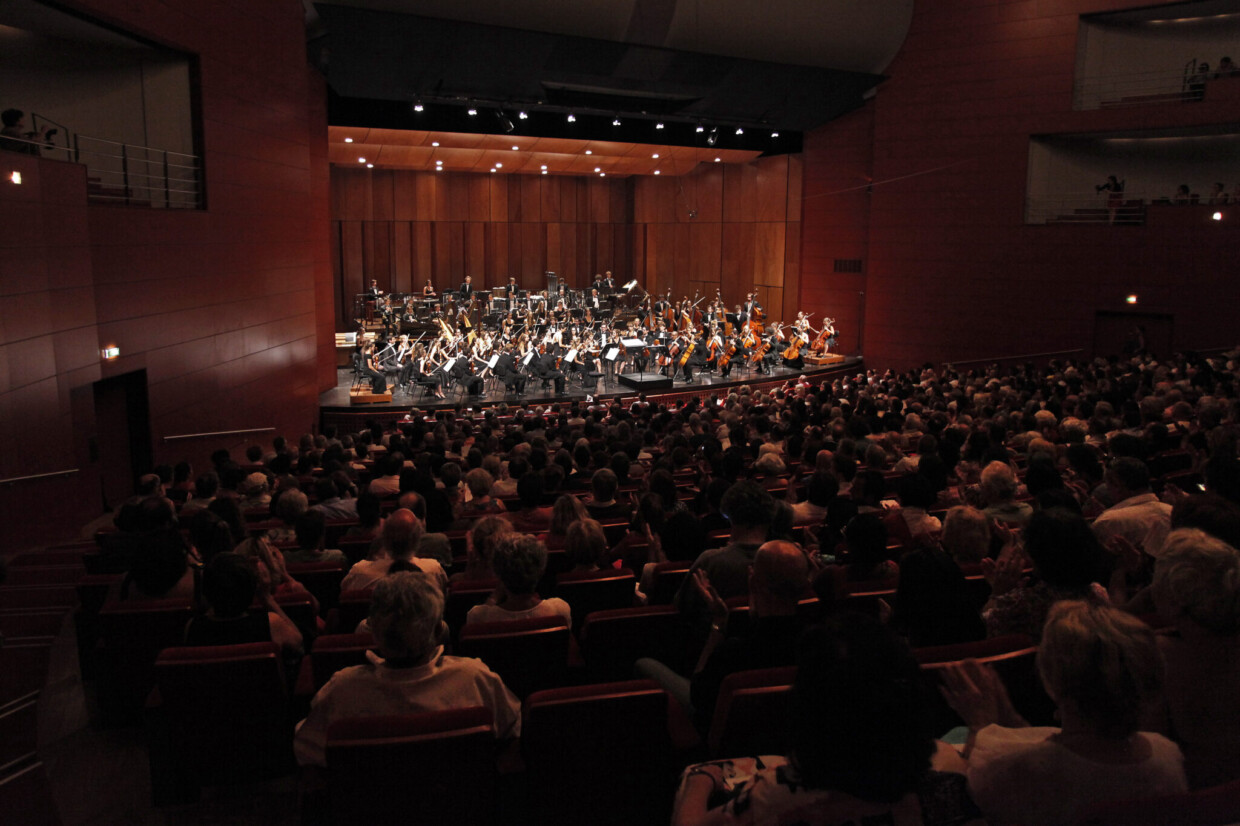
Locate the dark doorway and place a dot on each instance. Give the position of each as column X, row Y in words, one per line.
column 1118, row 333
column 122, row 435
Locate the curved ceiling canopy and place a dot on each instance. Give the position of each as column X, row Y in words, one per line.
column 787, row 65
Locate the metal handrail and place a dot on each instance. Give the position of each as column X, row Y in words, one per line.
column 1012, row 358
column 181, row 436
column 14, row 479
column 1168, row 85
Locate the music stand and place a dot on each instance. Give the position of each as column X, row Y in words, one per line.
column 553, row 283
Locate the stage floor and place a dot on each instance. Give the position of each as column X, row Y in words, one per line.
column 337, row 399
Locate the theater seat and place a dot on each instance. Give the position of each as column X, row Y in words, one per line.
column 131, row 635
column 221, row 715
column 602, row 749
column 612, row 641
column 322, row 579
column 1013, row 658
column 529, row 655
column 596, row 591
column 461, row 597
column 1215, row 806
column 667, row 579
column 436, row 767
column 750, row 712
column 333, row 652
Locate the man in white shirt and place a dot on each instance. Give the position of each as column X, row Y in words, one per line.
column 1137, row 516
column 401, row 533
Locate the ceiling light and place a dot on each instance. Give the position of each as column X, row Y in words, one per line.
column 598, row 169
column 716, row 160
column 1218, row 216
column 656, row 172
column 515, row 148
column 471, row 111
column 439, row 169
column 544, row 166
column 740, row 131
column 774, row 134
column 602, row 174
column 15, row 177
column 418, row 107
column 700, row 128
column 361, row 160
column 492, row 169
column 434, row 143
column 499, row 166
column 655, row 155
column 505, row 122
column 522, row 115
column 713, row 136
column 615, row 122
column 589, row 151
column 370, row 166
column 110, row 353
column 348, row 140
column 572, row 118
column 544, row 172
column 658, row 126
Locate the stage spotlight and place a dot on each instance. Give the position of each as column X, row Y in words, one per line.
column 740, row 130
column 1218, row 216
column 417, row 106
column 658, row 126
column 713, row 136
column 471, row 111
column 522, row 115
column 505, row 122
column 615, row 122
column 700, row 127
column 774, row 134
column 571, row 118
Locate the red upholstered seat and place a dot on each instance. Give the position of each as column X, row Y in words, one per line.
column 529, row 655
column 596, row 591
column 131, row 635
column 222, row 716
column 321, row 579
column 435, row 767
column 611, row 641
column 1013, row 658
column 333, row 652
column 602, row 749
column 461, row 597
column 667, row 579
column 750, row 711
column 1215, row 806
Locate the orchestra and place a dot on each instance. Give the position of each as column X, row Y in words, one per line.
column 443, row 341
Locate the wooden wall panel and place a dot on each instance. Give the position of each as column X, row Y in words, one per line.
column 555, row 250
column 476, row 254
column 739, row 201
column 497, row 252
column 426, row 195
column 377, row 236
column 771, row 189
column 402, row 255
column 705, row 246
column 479, row 197
column 382, row 205
column 352, row 259
column 549, row 199
column 533, row 253
column 769, row 255
column 531, row 198
column 499, row 198
column 423, row 255
column 737, row 267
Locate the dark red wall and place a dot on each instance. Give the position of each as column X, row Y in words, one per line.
column 228, row 309
column 951, row 272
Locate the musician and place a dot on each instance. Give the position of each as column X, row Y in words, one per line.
column 694, row 357
column 429, row 290
column 751, row 304
column 513, row 289
column 467, row 289
column 369, row 367
column 507, row 325
column 421, row 370
column 593, row 303
column 374, row 291
column 547, row 367
column 508, row 369
column 609, row 283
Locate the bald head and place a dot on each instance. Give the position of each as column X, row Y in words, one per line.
column 780, row 573
column 401, row 533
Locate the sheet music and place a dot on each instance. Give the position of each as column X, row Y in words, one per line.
column 632, row 342
column 447, row 365
column 571, row 355
column 528, row 357
column 611, row 353
column 491, row 363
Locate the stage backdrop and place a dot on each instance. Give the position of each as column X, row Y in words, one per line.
column 728, row 227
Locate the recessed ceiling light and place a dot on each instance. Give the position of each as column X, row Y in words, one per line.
column 655, row 155
column 716, row 160
column 515, row 148
column 544, row 172
column 544, row 166
column 602, row 174
column 572, row 118
column 492, row 169
column 361, row 160
column 658, row 126
column 471, row 111
column 615, row 122
column 370, row 166
column 348, row 140
column 700, row 128
column 656, row 172
column 598, row 169
column 522, row 115
column 417, row 107
column 589, row 151
column 774, row 134
column 499, row 166
column 439, row 169
column 434, row 143
column 740, row 131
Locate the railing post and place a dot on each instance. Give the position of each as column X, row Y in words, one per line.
column 125, row 171
column 167, row 191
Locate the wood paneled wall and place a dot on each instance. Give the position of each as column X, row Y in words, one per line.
column 221, row 307
column 950, row 270
column 403, row 227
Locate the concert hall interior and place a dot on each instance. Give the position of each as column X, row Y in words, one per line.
column 236, row 219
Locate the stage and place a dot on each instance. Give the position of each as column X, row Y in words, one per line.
column 335, row 406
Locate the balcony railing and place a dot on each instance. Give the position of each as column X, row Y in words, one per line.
column 1099, row 208
column 126, row 174
column 1121, row 91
